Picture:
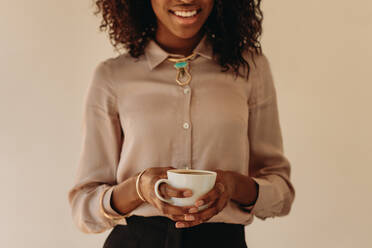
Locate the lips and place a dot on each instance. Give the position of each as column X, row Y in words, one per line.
column 183, row 16
column 198, row 10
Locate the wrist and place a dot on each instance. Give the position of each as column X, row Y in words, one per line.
column 254, row 188
column 115, row 199
column 230, row 179
column 112, row 203
column 127, row 188
column 248, row 193
column 106, row 208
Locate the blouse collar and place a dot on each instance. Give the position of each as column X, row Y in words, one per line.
column 155, row 55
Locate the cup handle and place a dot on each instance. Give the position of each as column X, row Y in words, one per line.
column 163, row 180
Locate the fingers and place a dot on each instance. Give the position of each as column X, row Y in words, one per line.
column 216, row 199
column 181, row 218
column 206, row 214
column 169, row 209
column 211, row 196
column 168, row 191
column 194, row 209
column 189, row 220
column 187, row 224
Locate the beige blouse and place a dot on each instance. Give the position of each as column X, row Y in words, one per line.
column 136, row 116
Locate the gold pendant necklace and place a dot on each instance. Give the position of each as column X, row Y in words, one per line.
column 183, row 69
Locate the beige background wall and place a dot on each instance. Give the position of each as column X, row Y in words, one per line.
column 321, row 57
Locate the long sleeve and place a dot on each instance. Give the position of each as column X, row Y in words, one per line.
column 99, row 157
column 268, row 166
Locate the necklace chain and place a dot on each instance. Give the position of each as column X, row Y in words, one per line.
column 176, row 60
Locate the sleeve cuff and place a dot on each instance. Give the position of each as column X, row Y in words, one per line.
column 266, row 195
column 108, row 208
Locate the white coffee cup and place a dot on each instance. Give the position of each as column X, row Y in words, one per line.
column 199, row 181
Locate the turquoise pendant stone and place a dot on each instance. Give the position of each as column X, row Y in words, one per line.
column 179, row 65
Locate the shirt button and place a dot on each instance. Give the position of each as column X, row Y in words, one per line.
column 186, row 90
column 186, row 125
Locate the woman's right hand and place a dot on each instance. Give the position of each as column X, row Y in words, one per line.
column 147, row 184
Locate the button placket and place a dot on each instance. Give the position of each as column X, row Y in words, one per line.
column 187, row 125
column 186, row 90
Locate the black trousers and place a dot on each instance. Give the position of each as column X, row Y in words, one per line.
column 160, row 232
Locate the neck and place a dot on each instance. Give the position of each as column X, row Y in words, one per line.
column 177, row 45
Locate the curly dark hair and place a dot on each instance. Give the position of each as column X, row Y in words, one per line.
column 233, row 27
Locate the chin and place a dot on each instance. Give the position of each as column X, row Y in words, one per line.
column 186, row 35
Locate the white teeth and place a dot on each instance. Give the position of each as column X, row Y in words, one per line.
column 185, row 13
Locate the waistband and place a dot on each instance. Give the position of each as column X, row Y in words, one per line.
column 162, row 229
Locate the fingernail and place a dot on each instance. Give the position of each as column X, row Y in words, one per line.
column 193, row 210
column 187, row 193
column 199, row 203
column 180, row 224
column 189, row 217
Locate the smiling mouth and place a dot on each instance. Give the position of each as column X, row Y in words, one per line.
column 185, row 13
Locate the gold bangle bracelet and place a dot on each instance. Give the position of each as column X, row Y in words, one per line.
column 137, row 186
column 107, row 215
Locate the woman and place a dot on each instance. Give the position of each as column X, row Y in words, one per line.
column 193, row 90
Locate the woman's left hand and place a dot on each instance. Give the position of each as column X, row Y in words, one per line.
column 217, row 199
